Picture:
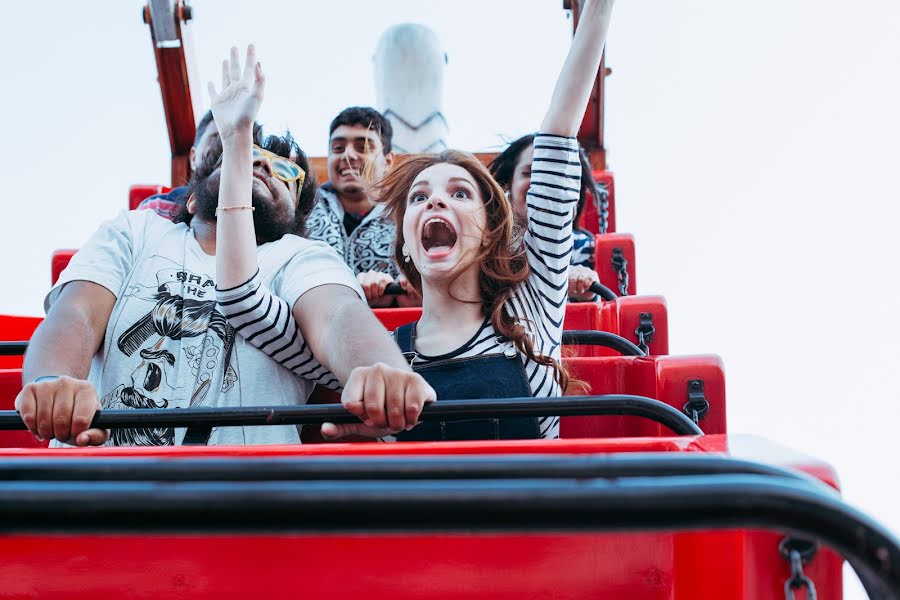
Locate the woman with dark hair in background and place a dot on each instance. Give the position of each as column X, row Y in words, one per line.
column 512, row 170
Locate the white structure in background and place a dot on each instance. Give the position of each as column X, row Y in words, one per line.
column 409, row 87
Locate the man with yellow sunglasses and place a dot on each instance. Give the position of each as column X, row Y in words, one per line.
column 148, row 313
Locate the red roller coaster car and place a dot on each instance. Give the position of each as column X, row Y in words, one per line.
column 646, row 495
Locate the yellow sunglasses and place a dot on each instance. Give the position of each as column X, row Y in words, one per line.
column 282, row 168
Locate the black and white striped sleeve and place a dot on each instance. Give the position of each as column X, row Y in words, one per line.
column 552, row 202
column 264, row 320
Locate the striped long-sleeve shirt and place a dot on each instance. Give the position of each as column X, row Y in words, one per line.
column 539, row 303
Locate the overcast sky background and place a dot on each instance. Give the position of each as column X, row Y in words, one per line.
column 756, row 147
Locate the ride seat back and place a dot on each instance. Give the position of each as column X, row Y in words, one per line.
column 59, row 261
column 139, row 193
column 10, row 386
column 637, row 319
column 679, row 381
column 15, row 329
column 614, row 261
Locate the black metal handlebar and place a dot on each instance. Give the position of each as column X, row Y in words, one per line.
column 444, row 410
column 582, row 337
column 13, row 348
column 704, row 502
column 587, row 337
column 604, row 292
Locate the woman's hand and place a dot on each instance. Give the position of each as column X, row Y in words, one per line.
column 580, row 279
column 386, row 399
column 235, row 107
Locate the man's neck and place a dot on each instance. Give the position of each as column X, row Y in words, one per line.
column 205, row 234
column 358, row 204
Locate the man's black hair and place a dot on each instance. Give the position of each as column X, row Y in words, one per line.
column 202, row 126
column 503, row 167
column 370, row 119
column 285, row 146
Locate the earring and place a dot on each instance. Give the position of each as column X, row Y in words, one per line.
column 405, row 254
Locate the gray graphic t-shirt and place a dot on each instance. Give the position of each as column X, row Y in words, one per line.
column 168, row 345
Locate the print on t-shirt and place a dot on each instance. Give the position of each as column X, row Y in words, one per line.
column 179, row 328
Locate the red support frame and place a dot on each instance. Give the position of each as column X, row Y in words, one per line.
column 170, row 32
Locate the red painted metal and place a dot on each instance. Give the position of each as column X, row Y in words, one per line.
column 10, row 386
column 664, row 378
column 726, row 564
column 15, row 329
column 603, row 254
column 623, row 316
column 139, row 193
column 58, row 263
column 170, row 34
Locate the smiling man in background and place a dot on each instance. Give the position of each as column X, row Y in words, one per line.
column 359, row 150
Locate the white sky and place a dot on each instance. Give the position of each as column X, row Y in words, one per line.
column 756, row 147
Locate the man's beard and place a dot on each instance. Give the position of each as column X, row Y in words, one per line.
column 270, row 224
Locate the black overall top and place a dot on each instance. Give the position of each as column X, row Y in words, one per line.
column 470, row 378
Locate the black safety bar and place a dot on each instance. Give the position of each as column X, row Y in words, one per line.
column 394, row 289
column 588, row 337
column 13, row 348
column 719, row 501
column 62, row 467
column 445, row 410
column 582, row 337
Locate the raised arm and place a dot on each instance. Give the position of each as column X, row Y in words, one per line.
column 234, row 109
column 573, row 88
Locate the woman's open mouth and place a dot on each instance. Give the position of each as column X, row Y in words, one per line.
column 438, row 237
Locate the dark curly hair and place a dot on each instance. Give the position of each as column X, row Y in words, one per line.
column 285, row 146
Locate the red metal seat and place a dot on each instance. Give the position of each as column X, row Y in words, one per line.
column 614, row 261
column 584, row 564
column 10, row 385
column 16, row 329
column 59, row 262
column 675, row 380
column 139, row 193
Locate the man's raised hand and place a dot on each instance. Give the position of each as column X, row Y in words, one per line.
column 236, row 106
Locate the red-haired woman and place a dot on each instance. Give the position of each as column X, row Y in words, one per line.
column 492, row 305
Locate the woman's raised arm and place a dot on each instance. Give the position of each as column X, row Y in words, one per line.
column 573, row 88
column 234, row 109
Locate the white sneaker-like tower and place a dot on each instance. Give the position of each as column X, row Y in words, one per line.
column 409, row 87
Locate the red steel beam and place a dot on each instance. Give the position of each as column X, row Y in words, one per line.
column 169, row 28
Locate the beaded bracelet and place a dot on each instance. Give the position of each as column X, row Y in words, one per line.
column 218, row 208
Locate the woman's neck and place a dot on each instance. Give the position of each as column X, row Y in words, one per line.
column 451, row 314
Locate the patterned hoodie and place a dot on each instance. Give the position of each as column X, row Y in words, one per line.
column 370, row 246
